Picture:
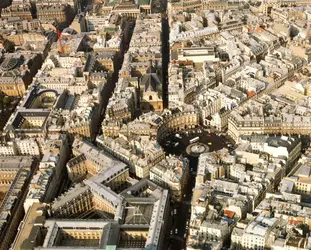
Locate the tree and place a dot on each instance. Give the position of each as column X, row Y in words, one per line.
column 8, row 46
column 1, row 102
column 6, row 101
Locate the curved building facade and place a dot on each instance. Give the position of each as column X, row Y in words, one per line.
column 177, row 122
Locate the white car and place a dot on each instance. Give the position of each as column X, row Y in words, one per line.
column 178, row 136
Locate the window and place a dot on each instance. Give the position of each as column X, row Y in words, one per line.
column 150, row 98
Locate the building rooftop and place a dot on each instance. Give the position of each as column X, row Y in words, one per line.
column 36, row 210
column 95, row 155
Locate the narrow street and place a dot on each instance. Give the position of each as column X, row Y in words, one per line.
column 108, row 90
column 176, row 240
column 165, row 53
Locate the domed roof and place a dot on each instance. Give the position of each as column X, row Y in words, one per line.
column 9, row 63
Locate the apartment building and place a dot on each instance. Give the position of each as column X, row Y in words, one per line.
column 171, row 173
